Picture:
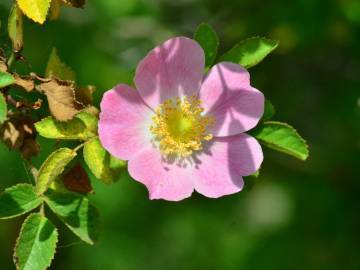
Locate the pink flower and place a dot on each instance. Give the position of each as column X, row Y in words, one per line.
column 180, row 131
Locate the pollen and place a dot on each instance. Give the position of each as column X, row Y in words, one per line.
column 179, row 126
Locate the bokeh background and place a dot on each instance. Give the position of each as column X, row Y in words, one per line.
column 298, row 215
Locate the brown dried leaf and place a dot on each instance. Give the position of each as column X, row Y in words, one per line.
column 61, row 98
column 11, row 134
column 92, row 110
column 29, row 148
column 25, row 82
column 84, row 94
column 3, row 65
column 55, row 7
column 19, row 134
column 77, row 180
column 75, row 3
column 37, row 104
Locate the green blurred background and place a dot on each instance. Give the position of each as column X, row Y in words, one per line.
column 299, row 215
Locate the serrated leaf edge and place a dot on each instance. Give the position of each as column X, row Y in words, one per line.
column 15, row 186
column 34, row 20
column 88, row 241
column 45, row 163
column 251, row 38
column 21, row 231
column 275, row 147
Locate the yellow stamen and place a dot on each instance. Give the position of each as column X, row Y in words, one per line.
column 179, row 126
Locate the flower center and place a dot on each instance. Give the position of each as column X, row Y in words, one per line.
column 179, row 126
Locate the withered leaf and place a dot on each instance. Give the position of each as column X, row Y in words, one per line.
column 55, row 9
column 19, row 133
column 92, row 110
column 3, row 65
column 29, row 148
column 25, row 82
column 61, row 98
column 12, row 135
column 77, row 180
column 75, row 3
column 84, row 94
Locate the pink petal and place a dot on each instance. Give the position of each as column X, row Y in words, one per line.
column 220, row 167
column 124, row 122
column 226, row 94
column 164, row 180
column 175, row 68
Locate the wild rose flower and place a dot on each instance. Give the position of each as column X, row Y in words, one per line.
column 181, row 131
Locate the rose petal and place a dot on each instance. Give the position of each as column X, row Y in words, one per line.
column 124, row 122
column 173, row 69
column 224, row 161
column 163, row 180
column 226, row 95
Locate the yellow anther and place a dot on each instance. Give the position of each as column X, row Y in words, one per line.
column 179, row 126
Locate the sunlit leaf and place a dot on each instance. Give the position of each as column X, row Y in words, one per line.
column 3, row 108
column 36, row 245
column 18, row 200
column 103, row 165
column 53, row 166
column 55, row 67
column 82, row 127
column 282, row 137
column 15, row 28
column 250, row 52
column 6, row 79
column 77, row 213
column 35, row 9
column 206, row 36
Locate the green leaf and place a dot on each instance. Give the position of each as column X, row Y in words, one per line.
column 53, row 166
column 15, row 28
column 269, row 111
column 18, row 200
column 77, row 213
column 281, row 137
column 3, row 108
column 6, row 79
column 82, row 127
column 103, row 165
column 35, row 9
column 250, row 52
column 35, row 247
column 206, row 36
column 57, row 68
